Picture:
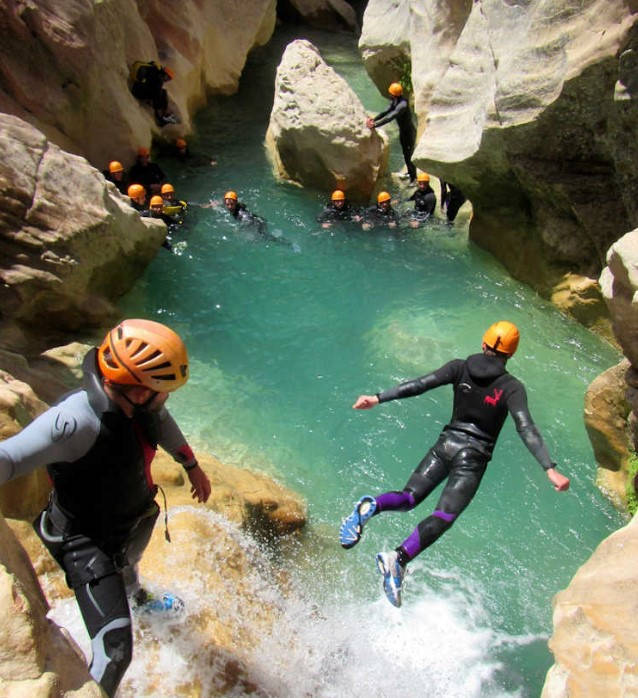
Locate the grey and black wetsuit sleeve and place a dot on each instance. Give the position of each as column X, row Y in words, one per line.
column 67, row 432
column 394, row 111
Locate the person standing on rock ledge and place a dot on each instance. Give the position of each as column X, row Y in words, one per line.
column 399, row 109
column 97, row 444
column 484, row 394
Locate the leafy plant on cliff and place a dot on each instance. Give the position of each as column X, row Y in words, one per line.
column 632, row 495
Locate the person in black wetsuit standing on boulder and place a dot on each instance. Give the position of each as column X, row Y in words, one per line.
column 399, row 109
column 484, row 394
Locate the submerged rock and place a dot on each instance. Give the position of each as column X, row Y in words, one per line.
column 317, row 135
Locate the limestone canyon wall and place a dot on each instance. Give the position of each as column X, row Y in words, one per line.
column 529, row 107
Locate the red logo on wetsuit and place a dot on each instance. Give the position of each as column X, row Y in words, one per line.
column 493, row 399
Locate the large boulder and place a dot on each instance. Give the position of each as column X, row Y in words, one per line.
column 522, row 106
column 37, row 658
column 606, row 421
column 71, row 244
column 595, row 638
column 317, row 135
column 64, row 66
column 619, row 283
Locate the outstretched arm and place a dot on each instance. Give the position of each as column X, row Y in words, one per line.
column 443, row 375
column 532, row 438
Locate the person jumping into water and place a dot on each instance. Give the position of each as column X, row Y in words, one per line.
column 484, row 393
column 97, row 444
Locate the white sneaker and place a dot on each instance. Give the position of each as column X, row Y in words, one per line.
column 393, row 574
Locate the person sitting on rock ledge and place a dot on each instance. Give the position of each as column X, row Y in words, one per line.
column 382, row 214
column 148, row 80
column 338, row 210
column 97, row 444
column 115, row 174
column 424, row 200
column 149, row 174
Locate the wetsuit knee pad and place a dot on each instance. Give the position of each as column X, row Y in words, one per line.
column 112, row 648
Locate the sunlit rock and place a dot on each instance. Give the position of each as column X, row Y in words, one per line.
column 71, row 243
column 595, row 639
column 606, row 413
column 37, row 659
column 619, row 283
column 26, row 495
column 317, row 134
column 249, row 499
column 581, row 297
column 65, row 65
column 515, row 103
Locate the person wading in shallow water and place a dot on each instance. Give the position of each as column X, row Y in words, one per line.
column 484, row 394
column 97, row 444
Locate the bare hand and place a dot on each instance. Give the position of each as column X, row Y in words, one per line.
column 560, row 482
column 370, row 122
column 365, row 402
column 200, row 484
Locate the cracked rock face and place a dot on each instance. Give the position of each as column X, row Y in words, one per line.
column 317, row 135
column 530, row 108
column 69, row 242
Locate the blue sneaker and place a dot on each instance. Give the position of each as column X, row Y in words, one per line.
column 352, row 527
column 144, row 602
column 393, row 574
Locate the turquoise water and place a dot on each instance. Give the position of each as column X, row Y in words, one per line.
column 283, row 336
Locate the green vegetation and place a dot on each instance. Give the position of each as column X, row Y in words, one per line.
column 632, row 495
column 404, row 69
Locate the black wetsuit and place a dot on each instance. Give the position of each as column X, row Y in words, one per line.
column 399, row 109
column 375, row 215
column 122, row 185
column 424, row 203
column 332, row 214
column 484, row 394
column 452, row 198
column 146, row 175
column 149, row 86
column 102, row 509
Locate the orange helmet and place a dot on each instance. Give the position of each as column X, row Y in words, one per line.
column 156, row 201
column 383, row 196
column 167, row 188
column 502, row 337
column 135, row 191
column 180, row 143
column 423, row 177
column 168, row 72
column 338, row 195
column 115, row 166
column 144, row 353
column 395, row 89
column 143, row 152
column 231, row 195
